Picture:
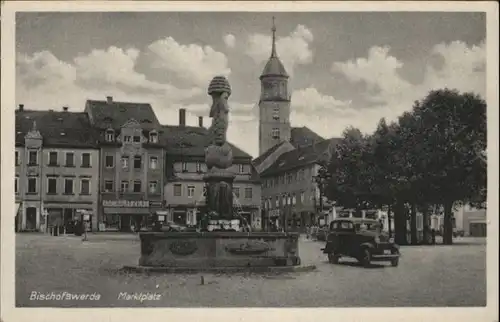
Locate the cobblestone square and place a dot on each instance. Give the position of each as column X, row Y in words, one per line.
column 427, row 276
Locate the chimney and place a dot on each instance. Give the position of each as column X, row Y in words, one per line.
column 21, row 107
column 182, row 117
column 109, row 99
column 200, row 121
column 65, row 108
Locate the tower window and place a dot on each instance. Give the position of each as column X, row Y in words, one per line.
column 275, row 133
column 276, row 112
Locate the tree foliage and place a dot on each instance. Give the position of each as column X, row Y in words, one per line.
column 433, row 155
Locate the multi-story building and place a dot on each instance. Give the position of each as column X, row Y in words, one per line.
column 185, row 167
column 57, row 169
column 291, row 195
column 131, row 163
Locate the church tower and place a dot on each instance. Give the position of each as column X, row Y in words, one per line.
column 274, row 103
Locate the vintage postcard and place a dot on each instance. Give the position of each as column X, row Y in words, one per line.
column 264, row 160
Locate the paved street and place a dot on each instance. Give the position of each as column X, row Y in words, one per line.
column 427, row 276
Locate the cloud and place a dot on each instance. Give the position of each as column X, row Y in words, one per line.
column 389, row 94
column 293, row 49
column 310, row 100
column 229, row 40
column 193, row 63
column 43, row 81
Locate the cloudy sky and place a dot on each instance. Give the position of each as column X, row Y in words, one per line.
column 347, row 68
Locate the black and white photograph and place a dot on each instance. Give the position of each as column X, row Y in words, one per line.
column 249, row 158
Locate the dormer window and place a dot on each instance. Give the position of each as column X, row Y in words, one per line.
column 127, row 138
column 110, row 135
column 153, row 137
column 137, row 139
column 241, row 168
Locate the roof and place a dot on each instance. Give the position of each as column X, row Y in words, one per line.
column 274, row 67
column 304, row 136
column 191, row 141
column 300, row 157
column 58, row 129
column 267, row 153
column 113, row 114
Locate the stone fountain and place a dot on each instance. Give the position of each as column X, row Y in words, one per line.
column 220, row 249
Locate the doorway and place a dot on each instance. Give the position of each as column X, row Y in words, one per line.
column 31, row 218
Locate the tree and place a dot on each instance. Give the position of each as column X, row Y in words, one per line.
column 451, row 130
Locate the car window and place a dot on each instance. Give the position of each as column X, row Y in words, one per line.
column 367, row 227
column 341, row 225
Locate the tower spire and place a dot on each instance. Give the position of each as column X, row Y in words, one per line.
column 273, row 29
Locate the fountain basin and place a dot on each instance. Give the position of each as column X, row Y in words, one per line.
column 218, row 249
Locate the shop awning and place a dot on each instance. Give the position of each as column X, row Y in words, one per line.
column 17, row 208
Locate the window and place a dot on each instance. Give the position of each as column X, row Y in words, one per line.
column 190, row 191
column 85, row 187
column 127, row 138
column 248, row 193
column 198, row 167
column 275, row 133
column 289, row 200
column 16, row 185
column 51, row 186
column 85, row 160
column 53, row 158
column 33, row 158
column 241, row 168
column 124, row 162
column 153, row 186
column 137, row 162
column 283, row 200
column 301, row 174
column 124, row 186
column 276, row 112
column 68, row 186
column 294, row 199
column 137, row 139
column 177, row 190
column 204, row 191
column 137, row 186
column 70, row 159
column 277, row 201
column 236, row 192
column 17, row 158
column 302, row 197
column 108, row 186
column 32, row 185
column 153, row 162
column 184, row 167
column 153, row 137
column 110, row 135
column 110, row 161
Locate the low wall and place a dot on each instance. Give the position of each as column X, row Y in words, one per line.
column 219, row 249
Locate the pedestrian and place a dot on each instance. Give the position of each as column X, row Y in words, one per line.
column 433, row 236
column 308, row 231
column 85, row 227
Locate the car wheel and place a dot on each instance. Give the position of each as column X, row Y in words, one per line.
column 395, row 262
column 367, row 258
column 333, row 259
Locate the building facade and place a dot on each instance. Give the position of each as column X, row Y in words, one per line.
column 131, row 177
column 184, row 190
column 57, row 169
column 291, row 195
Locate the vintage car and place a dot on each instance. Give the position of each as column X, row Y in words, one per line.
column 362, row 239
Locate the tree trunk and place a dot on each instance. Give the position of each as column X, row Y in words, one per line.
column 413, row 225
column 425, row 219
column 448, row 223
column 389, row 221
column 400, row 224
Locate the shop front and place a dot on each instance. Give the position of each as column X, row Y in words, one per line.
column 125, row 215
column 67, row 216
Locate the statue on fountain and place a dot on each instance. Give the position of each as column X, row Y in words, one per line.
column 218, row 154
